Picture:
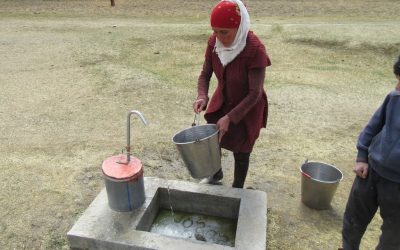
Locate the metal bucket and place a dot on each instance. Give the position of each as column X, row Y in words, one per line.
column 199, row 149
column 319, row 182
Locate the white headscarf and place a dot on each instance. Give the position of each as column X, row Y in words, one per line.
column 227, row 54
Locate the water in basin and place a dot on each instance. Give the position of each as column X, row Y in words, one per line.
column 200, row 227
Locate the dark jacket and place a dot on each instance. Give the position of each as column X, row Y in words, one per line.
column 380, row 139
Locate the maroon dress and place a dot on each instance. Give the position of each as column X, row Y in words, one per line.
column 239, row 94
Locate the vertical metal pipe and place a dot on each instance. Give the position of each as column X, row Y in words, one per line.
column 128, row 132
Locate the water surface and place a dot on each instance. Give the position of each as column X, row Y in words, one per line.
column 195, row 226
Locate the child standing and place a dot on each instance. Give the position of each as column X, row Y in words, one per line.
column 377, row 182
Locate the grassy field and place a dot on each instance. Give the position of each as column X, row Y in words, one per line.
column 71, row 70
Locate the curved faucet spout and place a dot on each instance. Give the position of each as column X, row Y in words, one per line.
column 139, row 114
column 128, row 132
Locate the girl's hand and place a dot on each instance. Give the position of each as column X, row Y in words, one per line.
column 361, row 169
column 199, row 105
column 223, row 126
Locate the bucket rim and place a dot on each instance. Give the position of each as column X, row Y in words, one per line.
column 320, row 181
column 190, row 142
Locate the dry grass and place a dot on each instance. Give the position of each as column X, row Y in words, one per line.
column 71, row 70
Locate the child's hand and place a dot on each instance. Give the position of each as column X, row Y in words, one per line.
column 361, row 169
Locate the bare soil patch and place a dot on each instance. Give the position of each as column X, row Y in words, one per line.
column 71, row 70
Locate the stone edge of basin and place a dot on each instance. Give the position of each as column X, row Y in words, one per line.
column 97, row 227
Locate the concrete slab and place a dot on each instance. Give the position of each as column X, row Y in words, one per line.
column 103, row 228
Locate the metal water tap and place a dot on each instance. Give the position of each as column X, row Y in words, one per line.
column 128, row 132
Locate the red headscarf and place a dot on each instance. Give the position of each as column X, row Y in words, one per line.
column 225, row 14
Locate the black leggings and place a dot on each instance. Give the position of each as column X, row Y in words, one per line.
column 241, row 167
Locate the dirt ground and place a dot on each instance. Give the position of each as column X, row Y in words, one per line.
column 71, row 70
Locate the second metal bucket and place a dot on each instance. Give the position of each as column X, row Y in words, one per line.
column 199, row 149
column 319, row 182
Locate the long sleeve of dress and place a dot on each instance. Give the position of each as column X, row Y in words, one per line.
column 203, row 82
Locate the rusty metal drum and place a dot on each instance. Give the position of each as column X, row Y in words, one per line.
column 124, row 182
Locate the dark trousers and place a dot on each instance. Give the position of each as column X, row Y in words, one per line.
column 365, row 197
column 241, row 167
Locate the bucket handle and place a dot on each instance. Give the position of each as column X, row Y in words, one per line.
column 304, row 173
column 195, row 119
